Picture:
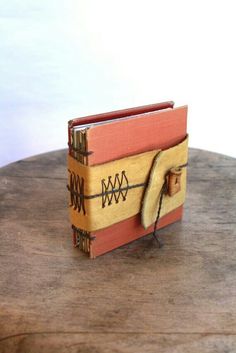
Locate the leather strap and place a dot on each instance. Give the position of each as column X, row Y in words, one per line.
column 168, row 164
column 105, row 194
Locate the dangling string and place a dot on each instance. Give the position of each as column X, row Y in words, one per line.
column 163, row 190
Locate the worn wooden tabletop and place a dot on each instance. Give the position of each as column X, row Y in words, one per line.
column 139, row 298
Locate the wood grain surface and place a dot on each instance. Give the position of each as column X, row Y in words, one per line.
column 138, row 298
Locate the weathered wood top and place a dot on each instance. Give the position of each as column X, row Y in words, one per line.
column 139, row 298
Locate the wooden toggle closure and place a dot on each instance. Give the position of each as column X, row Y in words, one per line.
column 174, row 181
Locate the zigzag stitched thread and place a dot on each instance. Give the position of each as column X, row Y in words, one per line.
column 116, row 189
column 76, row 189
column 82, row 239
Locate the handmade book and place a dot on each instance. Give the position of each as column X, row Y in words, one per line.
column 126, row 174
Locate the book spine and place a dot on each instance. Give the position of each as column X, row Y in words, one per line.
column 78, row 150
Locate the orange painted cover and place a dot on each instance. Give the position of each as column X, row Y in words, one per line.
column 116, row 115
column 141, row 133
column 158, row 128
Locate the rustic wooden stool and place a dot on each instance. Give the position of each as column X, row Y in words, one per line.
column 139, row 298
